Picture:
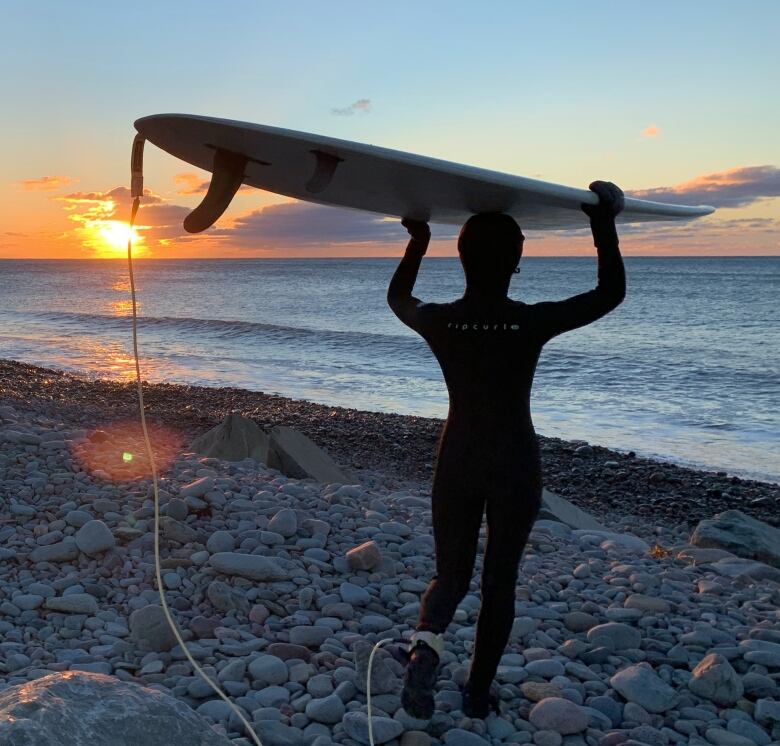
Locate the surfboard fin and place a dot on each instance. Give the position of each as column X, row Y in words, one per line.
column 228, row 175
column 323, row 171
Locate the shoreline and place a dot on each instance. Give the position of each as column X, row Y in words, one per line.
column 596, row 478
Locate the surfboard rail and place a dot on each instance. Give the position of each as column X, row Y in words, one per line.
column 331, row 171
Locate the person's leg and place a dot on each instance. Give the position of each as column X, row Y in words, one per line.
column 510, row 517
column 457, row 510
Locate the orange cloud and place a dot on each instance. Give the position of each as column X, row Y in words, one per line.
column 735, row 187
column 44, row 183
column 190, row 183
column 651, row 131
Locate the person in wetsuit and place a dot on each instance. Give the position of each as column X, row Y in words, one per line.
column 488, row 456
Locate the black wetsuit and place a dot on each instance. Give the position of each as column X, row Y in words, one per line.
column 488, row 456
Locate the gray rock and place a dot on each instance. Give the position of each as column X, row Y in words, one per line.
column 327, row 710
column 353, row 594
column 75, row 603
column 251, row 566
column 221, row 541
column 269, row 670
column 735, row 532
column 642, row 685
column 462, row 737
column 295, row 455
column 178, row 531
column 309, row 635
column 234, row 439
column 285, row 523
column 384, row 729
column 150, row 630
column 274, row 733
column 559, row 715
column 94, row 537
column 614, row 636
column 767, row 712
column 63, row 551
column 560, row 509
column 225, row 598
column 383, row 680
column 748, row 729
column 89, row 709
column 715, row 679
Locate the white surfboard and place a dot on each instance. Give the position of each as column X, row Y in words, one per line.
column 329, row 171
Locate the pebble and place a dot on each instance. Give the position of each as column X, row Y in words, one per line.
column 559, row 715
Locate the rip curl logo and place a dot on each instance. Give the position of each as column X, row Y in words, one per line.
column 471, row 326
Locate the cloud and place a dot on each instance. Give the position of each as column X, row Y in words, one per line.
column 190, row 183
column 304, row 225
column 733, row 188
column 44, row 183
column 363, row 105
column 651, row 131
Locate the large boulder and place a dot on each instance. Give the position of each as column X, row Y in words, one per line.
column 740, row 534
column 90, row 709
column 557, row 508
column 234, row 439
column 297, row 456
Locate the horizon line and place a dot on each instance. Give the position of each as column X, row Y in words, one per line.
column 389, row 256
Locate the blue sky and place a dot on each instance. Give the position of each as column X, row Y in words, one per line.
column 551, row 90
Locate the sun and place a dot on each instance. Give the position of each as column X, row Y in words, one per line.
column 114, row 234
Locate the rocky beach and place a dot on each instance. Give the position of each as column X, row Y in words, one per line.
column 655, row 623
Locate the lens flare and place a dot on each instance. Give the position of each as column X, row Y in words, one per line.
column 117, row 452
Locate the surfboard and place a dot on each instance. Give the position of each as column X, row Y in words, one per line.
column 330, row 171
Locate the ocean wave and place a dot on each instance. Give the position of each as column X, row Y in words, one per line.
column 222, row 328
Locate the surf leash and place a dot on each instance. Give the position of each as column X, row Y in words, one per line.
column 136, row 192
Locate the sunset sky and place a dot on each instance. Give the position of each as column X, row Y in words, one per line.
column 674, row 101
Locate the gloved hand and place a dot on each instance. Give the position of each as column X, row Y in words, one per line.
column 611, row 201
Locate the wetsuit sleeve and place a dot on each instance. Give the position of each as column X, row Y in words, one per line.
column 409, row 309
column 553, row 318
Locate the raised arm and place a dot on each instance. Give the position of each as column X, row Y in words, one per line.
column 399, row 294
column 553, row 318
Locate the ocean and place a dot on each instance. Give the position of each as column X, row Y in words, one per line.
column 687, row 369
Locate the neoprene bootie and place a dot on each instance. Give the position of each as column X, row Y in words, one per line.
column 421, row 674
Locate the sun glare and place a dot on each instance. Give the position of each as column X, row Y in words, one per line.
column 114, row 235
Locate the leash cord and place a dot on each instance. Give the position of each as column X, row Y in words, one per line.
column 137, row 191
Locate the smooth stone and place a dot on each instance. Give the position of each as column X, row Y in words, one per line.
column 285, row 523
column 269, row 670
column 365, row 556
column 615, row 636
column 309, row 636
column 250, row 566
column 75, row 603
column 150, row 630
column 384, row 729
column 328, row 710
column 640, row 684
column 462, row 737
column 221, row 541
column 559, row 715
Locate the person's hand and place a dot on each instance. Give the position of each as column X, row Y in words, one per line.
column 611, row 200
column 418, row 229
